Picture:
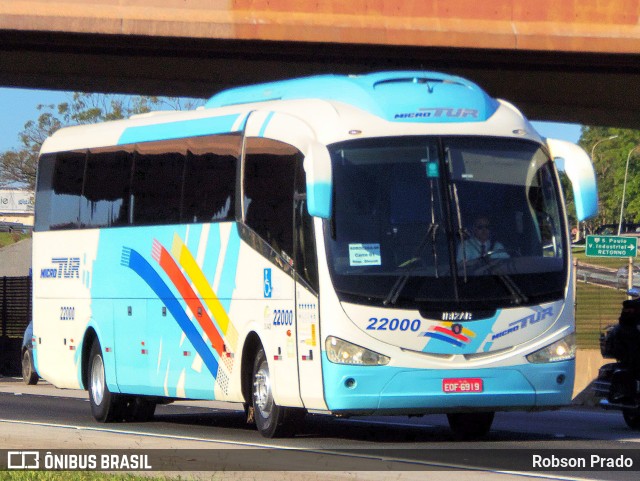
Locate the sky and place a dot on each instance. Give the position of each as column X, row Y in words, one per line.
column 18, row 106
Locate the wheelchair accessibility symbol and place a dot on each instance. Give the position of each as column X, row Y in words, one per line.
column 268, row 289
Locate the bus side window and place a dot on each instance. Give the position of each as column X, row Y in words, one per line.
column 269, row 173
column 60, row 179
column 156, row 188
column 210, row 178
column 105, row 200
column 209, row 188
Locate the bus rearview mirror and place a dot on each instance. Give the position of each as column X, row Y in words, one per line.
column 576, row 164
column 317, row 166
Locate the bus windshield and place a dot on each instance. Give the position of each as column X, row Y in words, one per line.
column 445, row 223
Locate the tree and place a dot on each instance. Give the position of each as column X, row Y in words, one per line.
column 18, row 166
column 609, row 160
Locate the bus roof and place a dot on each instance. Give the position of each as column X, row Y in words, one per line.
column 403, row 96
column 332, row 106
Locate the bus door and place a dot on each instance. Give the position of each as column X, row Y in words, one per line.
column 268, row 188
column 307, row 309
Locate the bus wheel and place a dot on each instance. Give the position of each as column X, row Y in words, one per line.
column 271, row 420
column 470, row 425
column 143, row 409
column 105, row 405
column 29, row 376
column 632, row 418
column 137, row 408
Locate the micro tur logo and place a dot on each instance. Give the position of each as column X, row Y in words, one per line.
column 23, row 460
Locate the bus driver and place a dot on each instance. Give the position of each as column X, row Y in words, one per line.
column 481, row 244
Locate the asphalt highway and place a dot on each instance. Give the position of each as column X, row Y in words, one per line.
column 42, row 417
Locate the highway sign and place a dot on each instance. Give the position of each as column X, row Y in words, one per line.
column 611, row 246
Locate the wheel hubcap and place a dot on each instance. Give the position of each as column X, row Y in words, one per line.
column 26, row 365
column 97, row 380
column 262, row 391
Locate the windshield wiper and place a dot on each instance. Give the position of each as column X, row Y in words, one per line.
column 516, row 293
column 398, row 286
column 432, row 231
column 461, row 232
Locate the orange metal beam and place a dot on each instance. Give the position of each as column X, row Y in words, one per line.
column 604, row 26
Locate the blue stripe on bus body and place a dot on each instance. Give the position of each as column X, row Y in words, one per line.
column 140, row 266
column 176, row 130
column 229, row 268
column 265, row 123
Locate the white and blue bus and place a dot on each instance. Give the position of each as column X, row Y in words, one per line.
column 308, row 246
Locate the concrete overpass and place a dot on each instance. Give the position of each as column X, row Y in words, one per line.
column 568, row 60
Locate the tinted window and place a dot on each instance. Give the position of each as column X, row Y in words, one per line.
column 209, row 188
column 306, row 263
column 156, row 188
column 59, row 191
column 269, row 174
column 166, row 182
column 105, row 201
column 461, row 222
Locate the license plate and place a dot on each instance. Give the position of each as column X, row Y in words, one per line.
column 473, row 384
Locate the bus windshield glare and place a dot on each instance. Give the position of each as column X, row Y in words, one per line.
column 452, row 222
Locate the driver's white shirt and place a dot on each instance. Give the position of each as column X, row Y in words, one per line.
column 473, row 250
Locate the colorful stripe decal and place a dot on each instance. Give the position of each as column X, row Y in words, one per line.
column 445, row 333
column 160, row 254
column 465, row 331
column 133, row 260
column 444, row 338
column 449, row 332
column 184, row 257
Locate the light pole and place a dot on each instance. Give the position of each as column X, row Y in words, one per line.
column 593, row 149
column 624, row 188
column 601, row 140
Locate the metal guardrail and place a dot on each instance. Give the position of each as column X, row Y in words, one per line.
column 15, row 315
column 15, row 305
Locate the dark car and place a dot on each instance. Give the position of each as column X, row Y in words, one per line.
column 29, row 374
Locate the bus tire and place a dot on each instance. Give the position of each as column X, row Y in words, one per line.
column 632, row 418
column 105, row 405
column 141, row 409
column 467, row 426
column 271, row 420
column 29, row 375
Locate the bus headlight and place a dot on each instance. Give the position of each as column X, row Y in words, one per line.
column 343, row 352
column 561, row 350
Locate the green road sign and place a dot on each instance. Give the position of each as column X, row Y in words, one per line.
column 611, row 246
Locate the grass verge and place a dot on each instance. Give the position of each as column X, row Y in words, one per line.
column 7, row 238
column 596, row 308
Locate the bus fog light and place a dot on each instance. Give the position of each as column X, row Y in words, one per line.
column 561, row 350
column 343, row 352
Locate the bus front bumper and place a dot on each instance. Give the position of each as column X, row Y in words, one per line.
column 395, row 390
